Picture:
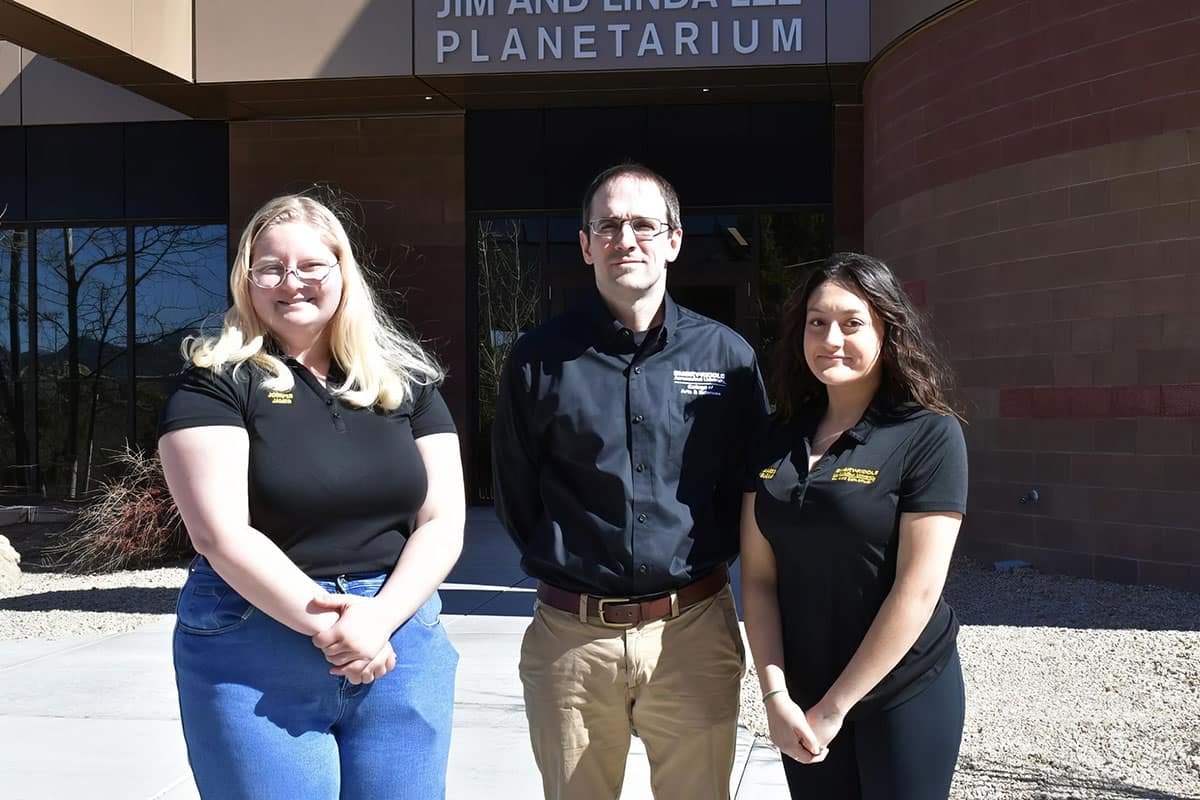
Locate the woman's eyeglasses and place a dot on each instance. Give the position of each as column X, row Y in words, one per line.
column 270, row 276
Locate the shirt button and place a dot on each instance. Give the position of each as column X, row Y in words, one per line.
column 637, row 370
column 643, row 569
column 640, row 467
column 641, row 517
column 637, row 418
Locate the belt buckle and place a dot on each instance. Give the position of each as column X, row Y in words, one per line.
column 601, row 602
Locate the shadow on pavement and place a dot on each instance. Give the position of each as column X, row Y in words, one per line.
column 487, row 602
column 1027, row 598
column 131, row 599
column 982, row 777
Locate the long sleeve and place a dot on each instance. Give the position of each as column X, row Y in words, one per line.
column 515, row 461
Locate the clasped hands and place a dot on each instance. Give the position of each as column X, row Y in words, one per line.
column 357, row 645
column 802, row 736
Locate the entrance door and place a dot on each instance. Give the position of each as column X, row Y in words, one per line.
column 712, row 276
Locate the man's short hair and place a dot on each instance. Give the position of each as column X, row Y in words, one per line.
column 631, row 169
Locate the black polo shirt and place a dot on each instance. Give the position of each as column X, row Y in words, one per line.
column 835, row 532
column 338, row 488
column 617, row 465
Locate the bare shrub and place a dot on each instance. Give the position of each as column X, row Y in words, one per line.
column 129, row 521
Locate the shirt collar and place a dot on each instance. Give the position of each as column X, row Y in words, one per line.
column 876, row 414
column 336, row 376
column 861, row 430
column 616, row 337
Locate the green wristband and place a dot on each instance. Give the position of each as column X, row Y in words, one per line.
column 772, row 693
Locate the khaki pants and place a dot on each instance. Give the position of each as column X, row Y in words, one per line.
column 674, row 683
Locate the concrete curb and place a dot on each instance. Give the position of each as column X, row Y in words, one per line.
column 17, row 515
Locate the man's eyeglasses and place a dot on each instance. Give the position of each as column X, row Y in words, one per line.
column 644, row 228
column 270, row 276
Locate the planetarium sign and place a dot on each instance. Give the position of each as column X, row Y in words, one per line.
column 505, row 36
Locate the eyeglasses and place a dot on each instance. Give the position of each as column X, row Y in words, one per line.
column 270, row 276
column 644, row 228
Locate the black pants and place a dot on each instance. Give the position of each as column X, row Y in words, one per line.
column 905, row 753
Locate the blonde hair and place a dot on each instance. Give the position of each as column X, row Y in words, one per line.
column 380, row 362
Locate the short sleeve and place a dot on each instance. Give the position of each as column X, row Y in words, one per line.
column 935, row 469
column 430, row 414
column 202, row 398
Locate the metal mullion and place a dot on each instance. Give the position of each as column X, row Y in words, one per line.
column 130, row 337
column 35, row 459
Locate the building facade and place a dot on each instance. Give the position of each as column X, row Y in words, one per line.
column 1029, row 168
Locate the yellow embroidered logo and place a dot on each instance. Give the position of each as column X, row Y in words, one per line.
column 855, row 475
column 767, row 473
column 280, row 398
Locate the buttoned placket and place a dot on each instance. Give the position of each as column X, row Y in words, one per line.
column 857, row 434
column 641, row 444
column 310, row 380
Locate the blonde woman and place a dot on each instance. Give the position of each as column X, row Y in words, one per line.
column 317, row 470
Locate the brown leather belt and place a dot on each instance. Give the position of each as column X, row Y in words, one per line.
column 624, row 612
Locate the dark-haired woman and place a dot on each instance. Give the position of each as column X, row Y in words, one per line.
column 860, row 489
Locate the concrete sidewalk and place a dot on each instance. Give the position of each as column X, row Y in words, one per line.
column 97, row 717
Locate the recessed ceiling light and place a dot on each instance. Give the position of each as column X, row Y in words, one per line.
column 428, row 97
column 704, row 90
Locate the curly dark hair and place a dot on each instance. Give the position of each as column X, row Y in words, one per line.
column 913, row 368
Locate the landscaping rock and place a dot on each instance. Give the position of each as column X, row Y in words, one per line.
column 10, row 566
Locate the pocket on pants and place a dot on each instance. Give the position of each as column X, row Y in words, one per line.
column 429, row 614
column 728, row 608
column 208, row 606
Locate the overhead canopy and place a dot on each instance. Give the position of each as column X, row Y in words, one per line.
column 228, row 59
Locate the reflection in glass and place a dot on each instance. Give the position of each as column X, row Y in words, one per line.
column 563, row 230
column 181, row 278
column 569, row 279
column 791, row 244
column 715, row 267
column 16, row 458
column 718, row 238
column 82, row 353
column 508, row 255
column 90, row 402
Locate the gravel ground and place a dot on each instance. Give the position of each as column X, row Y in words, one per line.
column 1075, row 688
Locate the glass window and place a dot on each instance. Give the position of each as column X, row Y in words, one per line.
column 16, row 458
column 181, row 276
column 791, row 243
column 161, row 185
column 74, row 172
column 82, row 354
column 718, row 238
column 714, row 269
column 509, row 255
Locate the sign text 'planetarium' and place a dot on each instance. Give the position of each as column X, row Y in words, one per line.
column 479, row 36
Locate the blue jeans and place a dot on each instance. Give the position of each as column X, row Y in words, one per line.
column 264, row 719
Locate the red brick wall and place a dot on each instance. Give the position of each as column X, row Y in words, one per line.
column 406, row 175
column 1033, row 173
column 1005, row 82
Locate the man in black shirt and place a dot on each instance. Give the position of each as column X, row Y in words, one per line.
column 619, row 446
